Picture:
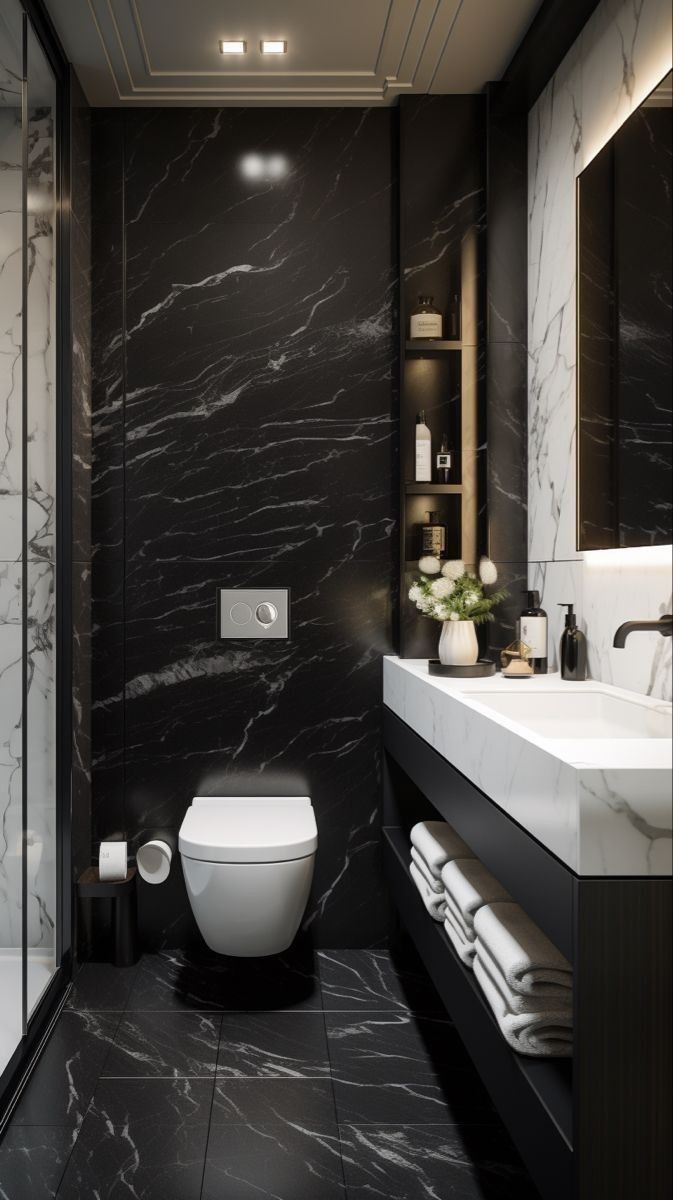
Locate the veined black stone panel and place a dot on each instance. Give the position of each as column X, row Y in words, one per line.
column 245, row 433
column 442, row 196
column 80, row 361
column 258, row 404
column 506, row 415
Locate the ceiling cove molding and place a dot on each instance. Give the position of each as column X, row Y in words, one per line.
column 404, row 55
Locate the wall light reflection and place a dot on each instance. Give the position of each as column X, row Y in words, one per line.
column 263, row 168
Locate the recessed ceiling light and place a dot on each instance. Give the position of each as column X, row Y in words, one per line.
column 233, row 47
column 273, row 47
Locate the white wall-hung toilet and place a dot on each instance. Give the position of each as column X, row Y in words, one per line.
column 248, row 865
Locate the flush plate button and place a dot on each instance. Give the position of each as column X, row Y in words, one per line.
column 253, row 612
column 266, row 613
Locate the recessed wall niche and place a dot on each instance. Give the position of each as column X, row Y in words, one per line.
column 442, row 221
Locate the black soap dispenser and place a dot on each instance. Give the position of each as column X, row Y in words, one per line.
column 573, row 649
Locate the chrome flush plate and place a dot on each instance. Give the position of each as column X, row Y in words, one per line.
column 253, row 612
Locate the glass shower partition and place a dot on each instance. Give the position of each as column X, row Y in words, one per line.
column 11, row 539
column 29, row 859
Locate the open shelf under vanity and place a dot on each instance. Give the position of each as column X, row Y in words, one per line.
column 571, row 1119
column 538, row 1084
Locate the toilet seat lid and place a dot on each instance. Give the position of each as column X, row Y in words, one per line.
column 249, row 831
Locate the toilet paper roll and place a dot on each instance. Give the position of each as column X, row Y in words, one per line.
column 153, row 861
column 112, row 862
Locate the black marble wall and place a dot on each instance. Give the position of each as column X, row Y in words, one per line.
column 244, row 433
column 505, row 440
column 80, row 359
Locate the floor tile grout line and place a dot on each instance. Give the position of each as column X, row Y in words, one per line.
column 78, row 1129
column 332, row 1089
column 210, row 1124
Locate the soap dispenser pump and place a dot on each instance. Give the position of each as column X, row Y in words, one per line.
column 573, row 649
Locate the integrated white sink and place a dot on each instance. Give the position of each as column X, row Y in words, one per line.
column 584, row 767
column 579, row 714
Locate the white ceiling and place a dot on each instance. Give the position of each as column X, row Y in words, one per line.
column 340, row 52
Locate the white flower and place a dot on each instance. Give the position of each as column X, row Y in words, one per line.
column 454, row 617
column 441, row 588
column 488, row 572
column 415, row 593
column 453, row 569
column 470, row 599
column 429, row 565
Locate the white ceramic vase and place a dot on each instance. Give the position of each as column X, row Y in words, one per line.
column 458, row 646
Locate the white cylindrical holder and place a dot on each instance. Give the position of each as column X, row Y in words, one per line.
column 153, row 861
column 112, row 862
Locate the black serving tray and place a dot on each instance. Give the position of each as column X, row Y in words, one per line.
column 478, row 670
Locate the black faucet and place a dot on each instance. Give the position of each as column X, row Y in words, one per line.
column 664, row 626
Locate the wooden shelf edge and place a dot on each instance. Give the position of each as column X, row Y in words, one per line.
column 433, row 489
column 525, row 1091
column 431, row 346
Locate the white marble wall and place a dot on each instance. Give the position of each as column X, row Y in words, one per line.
column 621, row 54
column 40, row 547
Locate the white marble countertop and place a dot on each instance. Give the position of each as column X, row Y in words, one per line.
column 602, row 805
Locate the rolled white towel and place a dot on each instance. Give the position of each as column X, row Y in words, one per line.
column 438, row 844
column 556, row 998
column 537, row 1034
column 530, row 963
column 463, row 946
column 434, row 902
column 430, row 879
column 469, row 885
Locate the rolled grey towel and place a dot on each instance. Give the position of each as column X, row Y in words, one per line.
column 529, row 962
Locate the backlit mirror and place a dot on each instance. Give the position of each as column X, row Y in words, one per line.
column 624, row 334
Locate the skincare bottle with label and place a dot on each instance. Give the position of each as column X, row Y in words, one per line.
column 433, row 536
column 423, row 468
column 573, row 656
column 533, row 631
column 443, row 460
column 425, row 320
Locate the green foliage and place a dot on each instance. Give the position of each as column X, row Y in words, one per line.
column 461, row 599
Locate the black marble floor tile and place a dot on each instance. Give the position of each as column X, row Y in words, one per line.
column 250, row 1101
column 147, row 1160
column 273, row 1046
column 368, row 980
column 175, row 980
column 32, row 1161
column 170, row 1045
column 432, row 1162
column 290, row 1161
column 63, row 1082
column 171, row 1104
column 398, row 1067
column 136, row 1102
column 100, row 987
